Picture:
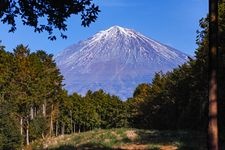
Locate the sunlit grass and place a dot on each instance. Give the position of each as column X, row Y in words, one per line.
column 123, row 138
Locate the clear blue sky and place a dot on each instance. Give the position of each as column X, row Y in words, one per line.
column 172, row 22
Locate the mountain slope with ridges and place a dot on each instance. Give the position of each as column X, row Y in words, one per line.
column 115, row 60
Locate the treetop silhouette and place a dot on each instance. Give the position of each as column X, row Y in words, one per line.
column 56, row 14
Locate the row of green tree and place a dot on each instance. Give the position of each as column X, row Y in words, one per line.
column 35, row 105
column 30, row 89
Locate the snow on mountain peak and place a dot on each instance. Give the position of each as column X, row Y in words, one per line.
column 114, row 31
column 117, row 29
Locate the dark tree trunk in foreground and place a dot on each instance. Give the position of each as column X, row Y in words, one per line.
column 213, row 75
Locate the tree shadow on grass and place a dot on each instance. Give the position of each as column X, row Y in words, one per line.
column 87, row 146
column 184, row 140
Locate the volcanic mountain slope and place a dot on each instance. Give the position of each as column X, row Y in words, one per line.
column 115, row 60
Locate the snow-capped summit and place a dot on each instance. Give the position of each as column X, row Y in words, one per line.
column 115, row 60
column 118, row 30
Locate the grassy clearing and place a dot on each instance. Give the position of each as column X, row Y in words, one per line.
column 125, row 138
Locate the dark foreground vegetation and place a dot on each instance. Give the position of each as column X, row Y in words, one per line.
column 34, row 105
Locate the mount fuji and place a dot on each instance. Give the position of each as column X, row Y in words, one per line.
column 116, row 60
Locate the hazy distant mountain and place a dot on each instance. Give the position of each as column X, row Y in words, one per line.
column 115, row 60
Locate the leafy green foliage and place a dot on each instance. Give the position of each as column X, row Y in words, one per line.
column 38, row 127
column 30, row 84
column 10, row 137
column 95, row 110
column 55, row 13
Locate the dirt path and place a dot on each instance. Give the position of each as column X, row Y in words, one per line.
column 144, row 147
column 133, row 147
column 168, row 147
column 131, row 135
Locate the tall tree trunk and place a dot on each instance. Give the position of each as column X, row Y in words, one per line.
column 74, row 127
column 27, row 133
column 35, row 111
column 213, row 75
column 79, row 129
column 31, row 113
column 63, row 128
column 44, row 108
column 21, row 125
column 56, row 128
column 51, row 120
column 71, row 121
